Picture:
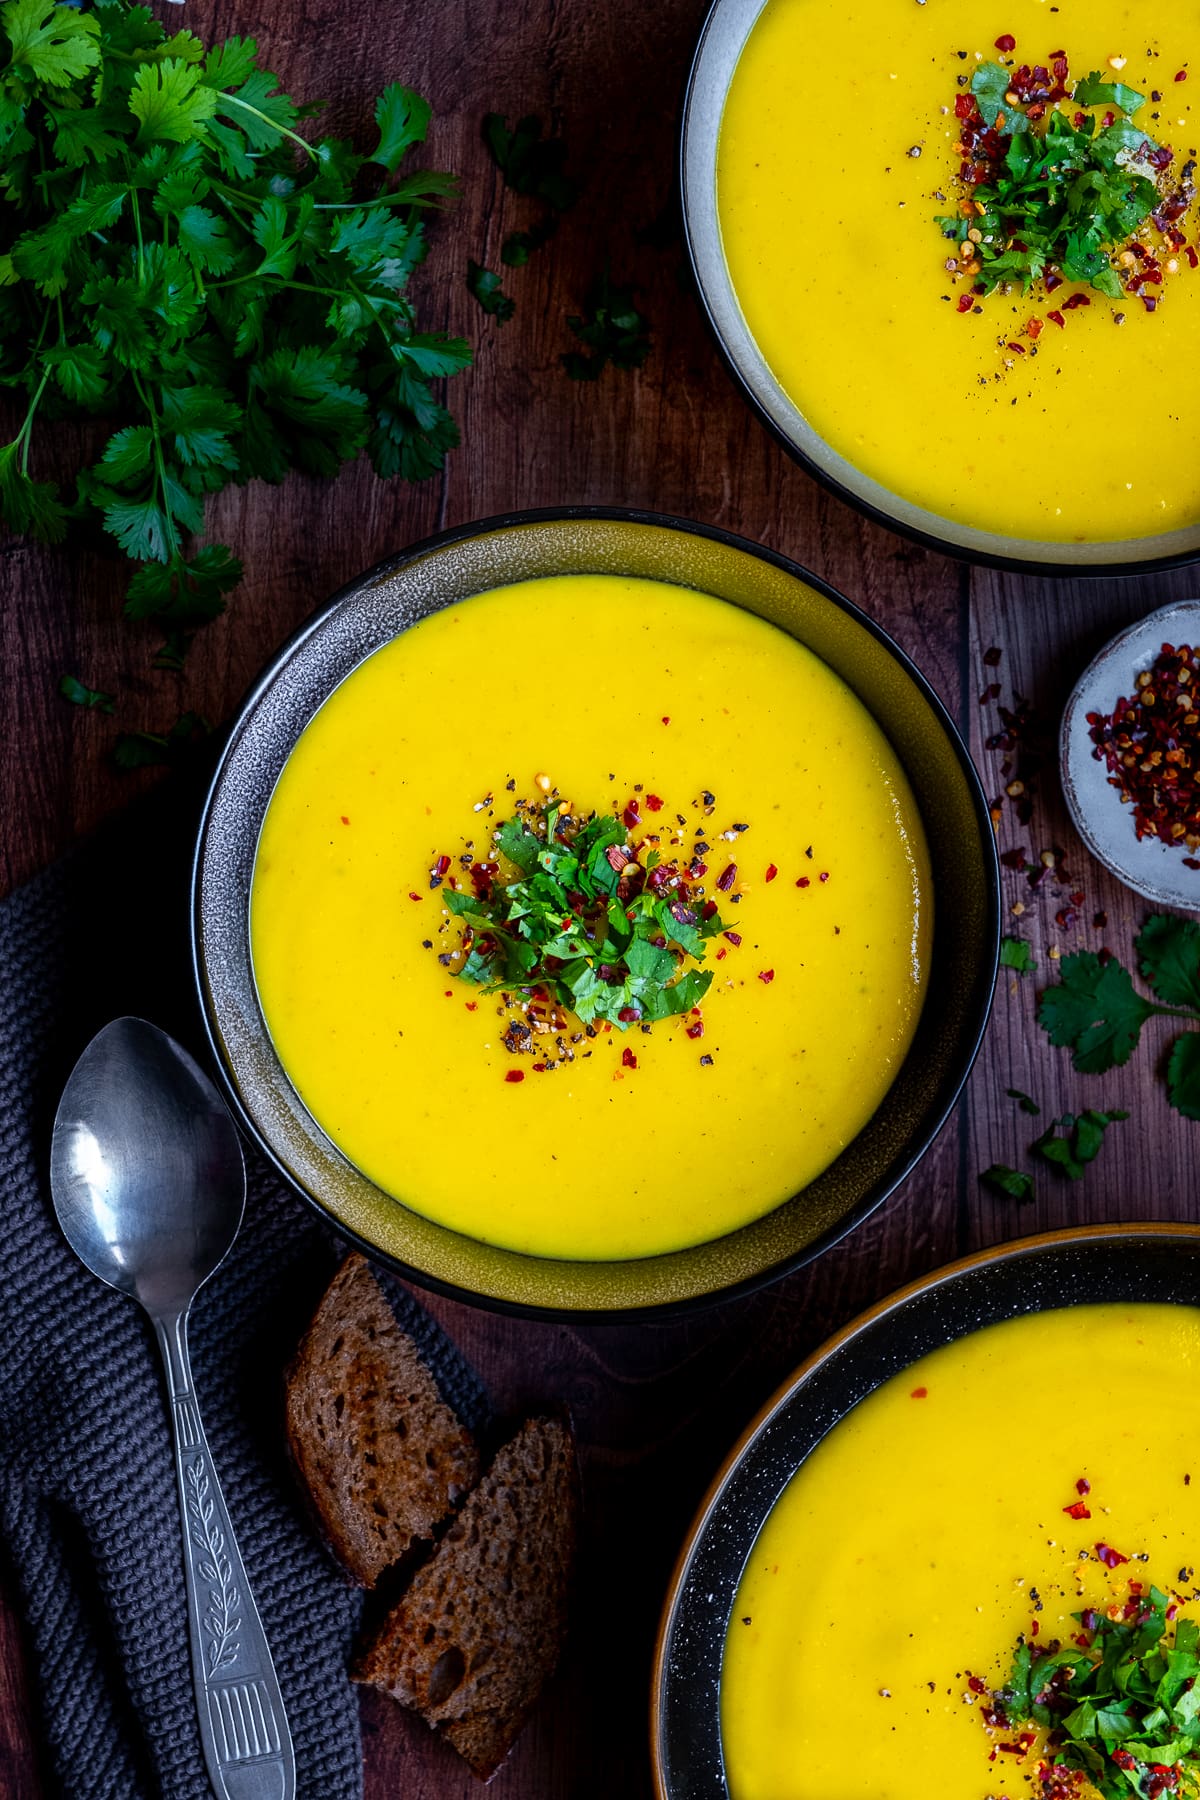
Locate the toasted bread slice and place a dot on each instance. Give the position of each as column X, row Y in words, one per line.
column 480, row 1629
column 383, row 1457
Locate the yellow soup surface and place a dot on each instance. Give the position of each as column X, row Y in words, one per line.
column 837, row 140
column 599, row 684
column 928, row 1530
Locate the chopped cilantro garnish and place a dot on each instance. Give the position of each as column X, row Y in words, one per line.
column 612, row 329
column 484, row 285
column 1098, row 1014
column 1015, row 953
column 1053, row 192
column 1122, row 1701
column 587, row 920
column 1079, row 1142
column 1015, row 1184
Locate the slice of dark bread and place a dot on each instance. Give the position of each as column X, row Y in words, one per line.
column 383, row 1457
column 480, row 1629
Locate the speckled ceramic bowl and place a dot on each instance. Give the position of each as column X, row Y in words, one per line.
column 1068, row 1268
column 722, row 40
column 1151, row 868
column 440, row 573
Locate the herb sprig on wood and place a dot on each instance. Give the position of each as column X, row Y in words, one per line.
column 1098, row 1014
column 605, row 929
column 177, row 258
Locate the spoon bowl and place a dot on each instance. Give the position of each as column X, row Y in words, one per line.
column 149, row 1185
column 145, row 1166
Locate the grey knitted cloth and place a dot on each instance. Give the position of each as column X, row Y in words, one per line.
column 88, row 1511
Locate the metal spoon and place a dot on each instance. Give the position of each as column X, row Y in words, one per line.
column 148, row 1183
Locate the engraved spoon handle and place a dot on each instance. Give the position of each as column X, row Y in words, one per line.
column 243, row 1726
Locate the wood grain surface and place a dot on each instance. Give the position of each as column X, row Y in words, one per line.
column 656, row 1405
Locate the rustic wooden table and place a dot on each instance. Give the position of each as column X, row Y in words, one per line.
column 656, row 1405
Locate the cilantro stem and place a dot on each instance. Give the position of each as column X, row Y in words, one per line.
column 232, row 100
column 160, row 468
column 23, row 436
column 137, row 227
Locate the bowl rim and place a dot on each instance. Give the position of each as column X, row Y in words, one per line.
column 974, row 1028
column 1059, row 568
column 1014, row 1250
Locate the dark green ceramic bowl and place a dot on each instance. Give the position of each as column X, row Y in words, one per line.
column 440, row 573
column 1066, row 1268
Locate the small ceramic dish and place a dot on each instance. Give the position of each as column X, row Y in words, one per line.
column 725, row 34
column 451, row 568
column 1069, row 1268
column 1104, row 822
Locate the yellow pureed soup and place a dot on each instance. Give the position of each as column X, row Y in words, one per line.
column 838, row 138
column 610, row 689
column 929, row 1529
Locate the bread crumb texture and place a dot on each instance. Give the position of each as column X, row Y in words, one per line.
column 384, row 1459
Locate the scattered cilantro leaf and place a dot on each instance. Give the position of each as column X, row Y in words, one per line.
column 145, row 749
column 1169, row 958
column 519, row 246
column 530, row 163
column 1079, row 1142
column 612, row 329
column 1025, row 1101
column 1016, row 954
column 1092, row 90
column 177, row 260
column 1014, row 1183
column 79, row 694
column 485, row 286
column 1183, row 1075
column 1095, row 1011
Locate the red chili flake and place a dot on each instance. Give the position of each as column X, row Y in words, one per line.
column 1034, row 1628
column 1150, row 746
column 440, row 866
column 696, row 1030
column 721, row 955
column 628, row 1059
column 992, row 655
column 709, row 910
column 965, row 303
column 1181, row 75
column 666, row 718
column 631, row 816
column 1193, row 259
column 1083, row 1485
column 471, row 1005
column 1019, row 348
column 727, row 877
column 539, row 1068
column 766, row 976
column 1058, row 319
column 824, row 875
column 1112, row 1559
column 964, row 106
column 735, row 938
column 1074, row 301
column 1078, row 1510
column 414, row 896
column 921, row 1394
column 804, row 881
column 1007, row 42
column 771, row 873
column 654, row 803
column 1100, row 921
column 1034, row 329
column 345, row 820
column 616, row 858
column 1082, row 1639
column 629, row 1015
column 514, row 1075
column 973, row 1682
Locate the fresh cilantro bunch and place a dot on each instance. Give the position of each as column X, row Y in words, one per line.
column 603, row 934
column 1061, row 198
column 178, row 260
column 1122, row 1708
column 1098, row 1013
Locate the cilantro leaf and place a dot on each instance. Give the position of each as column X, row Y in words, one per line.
column 79, row 694
column 50, row 43
column 485, row 286
column 403, row 120
column 611, row 328
column 1080, row 1141
column 1095, row 1011
column 1092, row 90
column 1026, row 1102
column 1015, row 953
column 170, row 101
column 529, row 163
column 1169, row 958
column 1183, row 1075
column 1015, row 1184
column 28, row 505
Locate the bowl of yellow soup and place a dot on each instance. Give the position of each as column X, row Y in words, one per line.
column 829, row 155
column 747, row 913
column 1004, row 1445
